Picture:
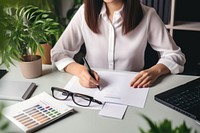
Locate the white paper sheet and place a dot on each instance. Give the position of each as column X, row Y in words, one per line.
column 113, row 110
column 115, row 89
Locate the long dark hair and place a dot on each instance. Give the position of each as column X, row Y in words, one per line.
column 132, row 14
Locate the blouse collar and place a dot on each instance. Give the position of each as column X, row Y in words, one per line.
column 103, row 11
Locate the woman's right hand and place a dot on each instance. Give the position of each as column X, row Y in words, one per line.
column 85, row 79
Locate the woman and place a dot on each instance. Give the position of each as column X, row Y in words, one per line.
column 115, row 33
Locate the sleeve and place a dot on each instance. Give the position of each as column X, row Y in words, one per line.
column 161, row 41
column 69, row 42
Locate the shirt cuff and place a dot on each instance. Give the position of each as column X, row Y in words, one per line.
column 61, row 64
column 172, row 66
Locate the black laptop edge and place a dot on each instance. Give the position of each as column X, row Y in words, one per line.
column 157, row 97
column 175, row 108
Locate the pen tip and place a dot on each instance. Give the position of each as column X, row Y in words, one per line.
column 99, row 87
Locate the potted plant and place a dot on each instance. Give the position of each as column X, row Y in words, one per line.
column 165, row 126
column 26, row 28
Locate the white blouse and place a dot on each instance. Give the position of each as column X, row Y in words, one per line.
column 110, row 49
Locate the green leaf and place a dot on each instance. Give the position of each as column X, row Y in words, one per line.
column 183, row 128
column 165, row 126
column 1, row 108
column 45, row 15
column 152, row 125
column 25, row 27
column 4, row 126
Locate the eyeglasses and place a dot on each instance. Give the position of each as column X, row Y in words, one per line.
column 77, row 98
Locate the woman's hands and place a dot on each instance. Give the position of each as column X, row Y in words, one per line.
column 147, row 77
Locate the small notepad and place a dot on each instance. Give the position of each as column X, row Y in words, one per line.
column 113, row 110
column 16, row 90
column 36, row 112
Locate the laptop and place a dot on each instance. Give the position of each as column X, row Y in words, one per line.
column 184, row 98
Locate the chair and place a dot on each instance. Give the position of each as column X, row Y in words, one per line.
column 151, row 57
column 80, row 54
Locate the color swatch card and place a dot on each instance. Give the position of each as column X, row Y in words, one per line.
column 36, row 112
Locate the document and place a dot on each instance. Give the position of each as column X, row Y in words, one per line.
column 115, row 88
column 36, row 112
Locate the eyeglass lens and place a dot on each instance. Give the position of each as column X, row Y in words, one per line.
column 60, row 95
column 81, row 100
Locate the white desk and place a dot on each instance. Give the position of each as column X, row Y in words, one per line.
column 88, row 121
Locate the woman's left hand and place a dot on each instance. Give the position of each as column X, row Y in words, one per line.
column 147, row 77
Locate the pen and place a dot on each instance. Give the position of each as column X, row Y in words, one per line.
column 90, row 70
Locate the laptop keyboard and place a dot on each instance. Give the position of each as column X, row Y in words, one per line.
column 187, row 98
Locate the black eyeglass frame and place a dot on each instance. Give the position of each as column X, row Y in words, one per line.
column 69, row 93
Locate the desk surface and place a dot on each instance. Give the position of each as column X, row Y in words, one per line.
column 88, row 121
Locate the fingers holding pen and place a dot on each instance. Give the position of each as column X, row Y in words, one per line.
column 97, row 78
column 87, row 80
column 93, row 80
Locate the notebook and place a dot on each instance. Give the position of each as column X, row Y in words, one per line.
column 184, row 98
column 36, row 112
column 16, row 90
